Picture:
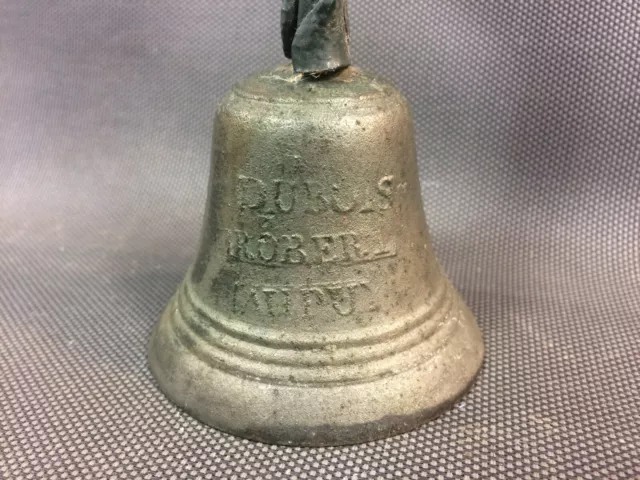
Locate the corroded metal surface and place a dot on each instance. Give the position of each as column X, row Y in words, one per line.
column 316, row 312
column 315, row 35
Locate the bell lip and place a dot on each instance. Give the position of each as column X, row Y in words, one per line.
column 323, row 436
column 191, row 384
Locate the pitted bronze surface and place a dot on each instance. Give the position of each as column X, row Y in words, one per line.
column 528, row 144
column 316, row 312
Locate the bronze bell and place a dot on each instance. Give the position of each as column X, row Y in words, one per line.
column 316, row 312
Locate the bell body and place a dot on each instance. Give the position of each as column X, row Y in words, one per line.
column 316, row 312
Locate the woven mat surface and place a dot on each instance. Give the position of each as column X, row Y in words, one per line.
column 528, row 126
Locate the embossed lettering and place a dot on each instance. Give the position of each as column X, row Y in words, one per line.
column 311, row 295
column 251, row 193
column 267, row 247
column 240, row 247
column 290, row 250
column 324, row 245
column 343, row 299
column 303, row 300
column 277, row 300
column 285, row 195
column 351, row 246
column 340, row 205
column 281, row 195
column 385, row 189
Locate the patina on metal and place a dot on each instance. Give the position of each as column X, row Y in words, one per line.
column 315, row 35
column 316, row 312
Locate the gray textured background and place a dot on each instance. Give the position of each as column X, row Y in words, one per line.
column 528, row 123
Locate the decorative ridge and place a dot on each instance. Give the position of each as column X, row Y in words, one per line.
column 314, row 366
column 276, row 339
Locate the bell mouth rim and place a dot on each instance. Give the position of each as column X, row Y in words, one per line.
column 327, row 435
